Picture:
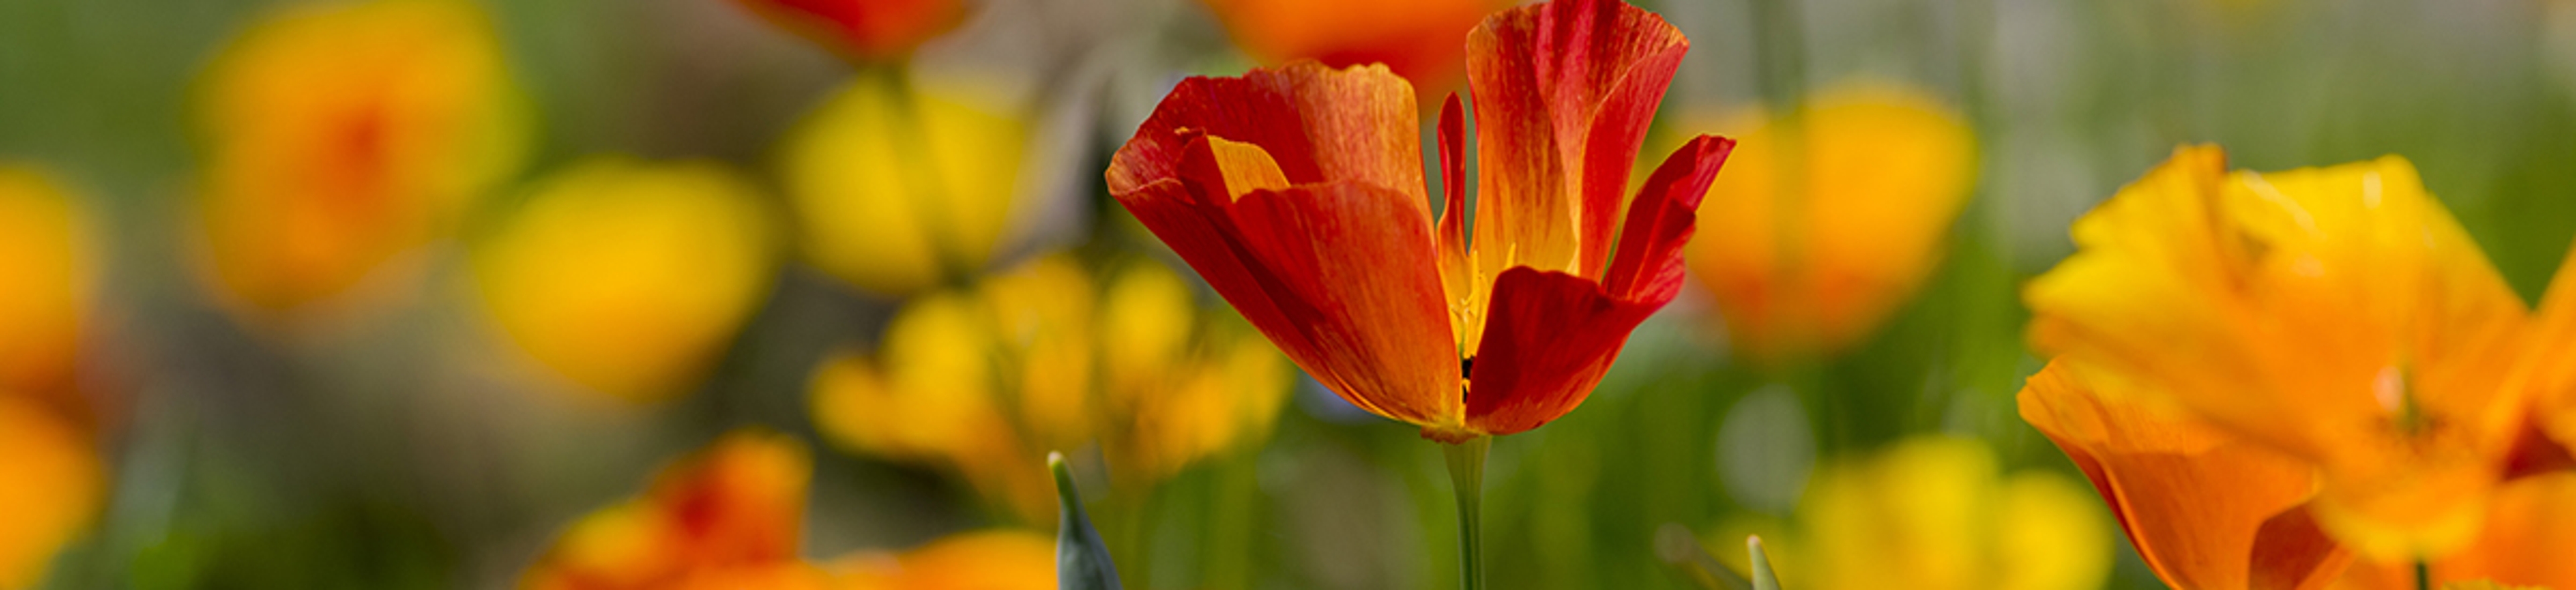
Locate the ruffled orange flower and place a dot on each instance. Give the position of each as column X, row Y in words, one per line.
column 2203, row 508
column 1422, row 40
column 2336, row 316
column 1826, row 223
column 864, row 30
column 738, row 505
column 339, row 136
column 1298, row 194
column 731, row 518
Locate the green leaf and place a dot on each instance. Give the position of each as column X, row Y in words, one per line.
column 1081, row 559
column 1763, row 579
column 1680, row 549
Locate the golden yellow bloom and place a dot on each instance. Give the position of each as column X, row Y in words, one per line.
column 336, row 136
column 49, row 269
column 992, row 560
column 629, row 278
column 734, row 509
column 2336, row 315
column 1826, row 223
column 903, row 191
column 1043, row 357
column 2204, row 509
column 55, row 485
column 1936, row 513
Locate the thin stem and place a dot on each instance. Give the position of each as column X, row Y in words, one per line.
column 2423, row 576
column 1467, row 475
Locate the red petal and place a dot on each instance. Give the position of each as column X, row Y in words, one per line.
column 1549, row 336
column 1649, row 264
column 1453, row 214
column 1341, row 276
column 1564, row 91
column 1318, row 123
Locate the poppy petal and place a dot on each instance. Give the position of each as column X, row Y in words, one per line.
column 1649, row 264
column 1564, row 91
column 1352, row 266
column 2530, row 523
column 1318, row 124
column 2203, row 509
column 1455, row 275
column 1548, row 338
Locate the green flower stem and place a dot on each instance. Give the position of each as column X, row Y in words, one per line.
column 1467, row 474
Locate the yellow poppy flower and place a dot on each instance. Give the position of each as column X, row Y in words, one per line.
column 55, row 487
column 1937, row 513
column 1043, row 357
column 47, row 263
column 1825, row 223
column 738, row 505
column 629, row 278
column 337, row 136
column 2336, row 315
column 902, row 190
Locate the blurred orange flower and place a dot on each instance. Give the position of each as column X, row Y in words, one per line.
column 739, row 504
column 900, row 188
column 1829, row 219
column 339, row 135
column 1043, row 357
column 731, row 518
column 629, row 278
column 2336, row 316
column 2204, row 509
column 54, row 480
column 1421, row 40
column 1298, row 194
column 864, row 30
column 55, row 486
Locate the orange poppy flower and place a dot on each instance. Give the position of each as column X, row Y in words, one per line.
column 989, row 560
column 341, row 136
column 2335, row 315
column 864, row 30
column 2551, row 379
column 2203, row 508
column 1421, row 40
column 49, row 266
column 1298, row 194
column 1827, row 223
column 737, row 506
column 2530, row 523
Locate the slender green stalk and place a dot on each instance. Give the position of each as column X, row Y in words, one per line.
column 2423, row 576
column 1467, row 474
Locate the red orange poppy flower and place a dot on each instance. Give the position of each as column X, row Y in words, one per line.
column 1419, row 39
column 867, row 30
column 1298, row 193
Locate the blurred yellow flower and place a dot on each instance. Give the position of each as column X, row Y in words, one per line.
column 629, row 278
column 55, row 486
column 737, row 506
column 2337, row 315
column 1826, row 222
column 336, row 136
column 49, row 268
column 901, row 188
column 991, row 560
column 1043, row 357
column 1936, row 513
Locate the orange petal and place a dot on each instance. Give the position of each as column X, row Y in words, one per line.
column 1456, row 273
column 1551, row 335
column 1564, row 91
column 2203, row 510
column 738, row 504
column 2530, row 524
column 2551, row 378
column 865, row 29
column 1318, row 124
column 1342, row 276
